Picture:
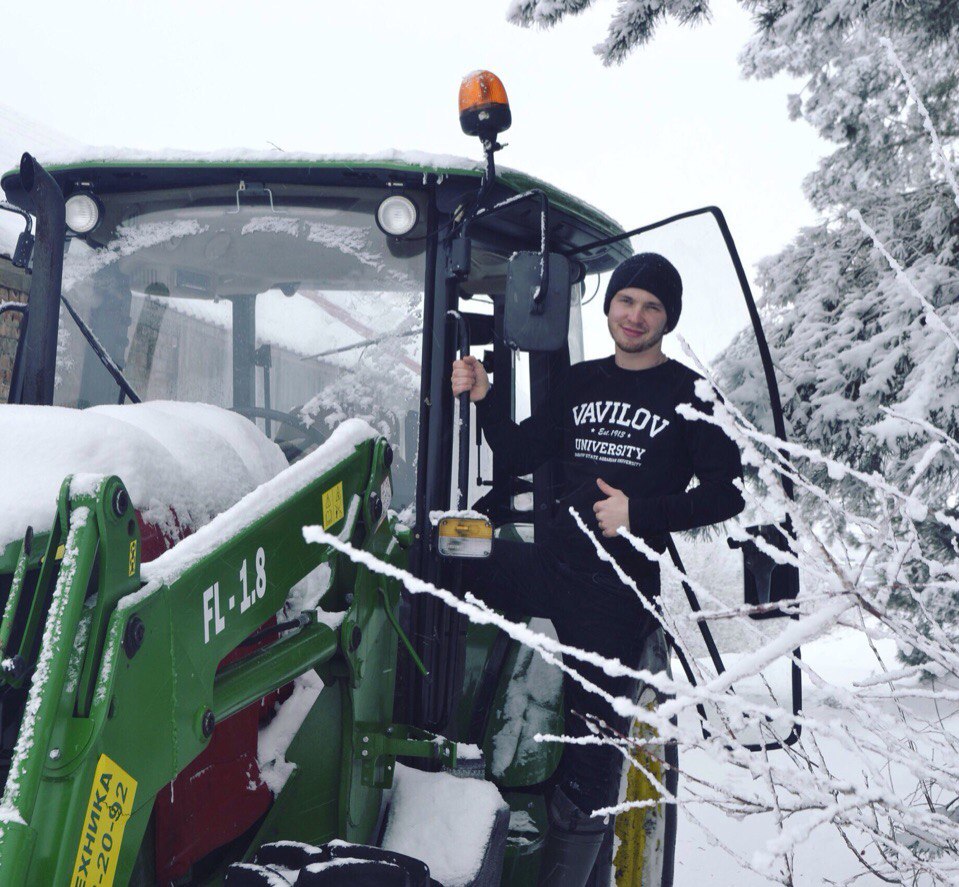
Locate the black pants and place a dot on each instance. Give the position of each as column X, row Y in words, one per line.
column 591, row 610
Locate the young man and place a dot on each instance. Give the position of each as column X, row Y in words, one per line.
column 628, row 458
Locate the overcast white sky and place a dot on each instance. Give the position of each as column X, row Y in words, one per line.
column 673, row 128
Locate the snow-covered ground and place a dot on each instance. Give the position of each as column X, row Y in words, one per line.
column 843, row 658
column 840, row 692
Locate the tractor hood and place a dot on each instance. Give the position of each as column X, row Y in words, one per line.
column 182, row 462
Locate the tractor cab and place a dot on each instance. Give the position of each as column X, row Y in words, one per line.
column 302, row 291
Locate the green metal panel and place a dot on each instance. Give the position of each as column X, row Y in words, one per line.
column 147, row 711
column 307, row 809
column 529, row 762
column 10, row 553
column 479, row 643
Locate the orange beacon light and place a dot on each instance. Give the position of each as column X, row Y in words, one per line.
column 484, row 108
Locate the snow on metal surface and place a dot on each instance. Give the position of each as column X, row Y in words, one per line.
column 254, row 505
column 194, row 460
column 442, row 820
column 468, row 751
column 275, row 738
column 306, row 594
column 463, row 514
column 74, row 155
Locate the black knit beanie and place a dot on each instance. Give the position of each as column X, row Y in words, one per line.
column 655, row 274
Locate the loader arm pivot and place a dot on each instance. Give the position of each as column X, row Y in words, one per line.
column 122, row 673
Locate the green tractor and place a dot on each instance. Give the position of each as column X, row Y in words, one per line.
column 217, row 352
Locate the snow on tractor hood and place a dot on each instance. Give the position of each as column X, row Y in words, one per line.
column 185, row 459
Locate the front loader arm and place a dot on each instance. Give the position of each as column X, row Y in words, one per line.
column 88, row 763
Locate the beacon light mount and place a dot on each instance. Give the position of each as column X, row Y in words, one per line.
column 538, row 282
column 484, row 112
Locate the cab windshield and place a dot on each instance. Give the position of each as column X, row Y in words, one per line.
column 296, row 315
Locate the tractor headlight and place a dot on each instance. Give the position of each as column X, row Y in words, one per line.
column 83, row 213
column 396, row 215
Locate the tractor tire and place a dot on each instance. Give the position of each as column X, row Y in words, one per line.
column 337, row 864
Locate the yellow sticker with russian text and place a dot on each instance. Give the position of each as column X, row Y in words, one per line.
column 332, row 505
column 109, row 809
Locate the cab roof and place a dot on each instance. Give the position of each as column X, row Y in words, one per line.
column 115, row 170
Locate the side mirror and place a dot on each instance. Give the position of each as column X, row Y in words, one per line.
column 765, row 580
column 535, row 320
column 23, row 251
column 24, row 248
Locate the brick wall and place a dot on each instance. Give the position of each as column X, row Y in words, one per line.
column 13, row 286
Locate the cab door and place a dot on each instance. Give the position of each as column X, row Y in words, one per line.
column 720, row 336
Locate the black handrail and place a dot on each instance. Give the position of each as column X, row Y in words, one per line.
column 462, row 448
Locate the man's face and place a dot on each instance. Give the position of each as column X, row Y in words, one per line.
column 637, row 320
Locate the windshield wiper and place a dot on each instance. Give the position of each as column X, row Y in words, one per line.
column 365, row 342
column 101, row 353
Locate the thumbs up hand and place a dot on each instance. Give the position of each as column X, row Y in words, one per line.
column 612, row 512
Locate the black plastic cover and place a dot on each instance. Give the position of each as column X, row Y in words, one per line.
column 531, row 323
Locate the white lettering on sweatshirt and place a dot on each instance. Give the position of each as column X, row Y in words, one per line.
column 614, row 412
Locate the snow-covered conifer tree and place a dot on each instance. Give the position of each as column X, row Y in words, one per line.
column 866, row 351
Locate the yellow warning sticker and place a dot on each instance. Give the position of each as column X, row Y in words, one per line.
column 133, row 557
column 109, row 809
column 332, row 505
column 61, row 551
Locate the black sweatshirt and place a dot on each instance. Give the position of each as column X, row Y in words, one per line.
column 622, row 426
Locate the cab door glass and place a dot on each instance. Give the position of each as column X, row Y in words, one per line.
column 714, row 323
column 714, row 337
column 517, row 389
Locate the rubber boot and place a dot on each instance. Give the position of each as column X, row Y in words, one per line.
column 572, row 844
